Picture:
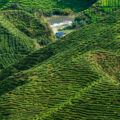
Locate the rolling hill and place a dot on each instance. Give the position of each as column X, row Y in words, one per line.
column 99, row 10
column 49, row 5
column 21, row 34
column 14, row 44
column 74, row 78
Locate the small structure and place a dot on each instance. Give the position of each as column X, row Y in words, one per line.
column 60, row 34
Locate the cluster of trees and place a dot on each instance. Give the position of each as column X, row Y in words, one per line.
column 80, row 21
column 49, row 13
column 66, row 11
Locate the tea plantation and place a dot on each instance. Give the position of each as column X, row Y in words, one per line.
column 74, row 78
column 52, row 5
column 20, row 34
column 99, row 10
column 13, row 43
column 35, row 28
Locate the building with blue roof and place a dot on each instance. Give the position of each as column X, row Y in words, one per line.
column 60, row 34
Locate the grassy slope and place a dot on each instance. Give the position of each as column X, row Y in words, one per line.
column 68, row 79
column 53, row 4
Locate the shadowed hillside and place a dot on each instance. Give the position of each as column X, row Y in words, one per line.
column 71, row 78
column 50, row 5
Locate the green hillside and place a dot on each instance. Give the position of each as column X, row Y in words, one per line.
column 34, row 27
column 97, row 11
column 21, row 34
column 102, row 8
column 50, row 5
column 74, row 78
column 14, row 44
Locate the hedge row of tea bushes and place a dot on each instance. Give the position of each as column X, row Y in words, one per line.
column 3, row 3
column 67, row 79
column 100, row 101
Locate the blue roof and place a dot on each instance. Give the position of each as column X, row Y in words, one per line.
column 60, row 33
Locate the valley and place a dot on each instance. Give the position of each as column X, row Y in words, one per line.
column 73, row 77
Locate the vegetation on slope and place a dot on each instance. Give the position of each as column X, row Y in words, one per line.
column 13, row 43
column 21, row 33
column 100, row 101
column 49, row 7
column 98, row 11
column 30, row 25
column 65, row 80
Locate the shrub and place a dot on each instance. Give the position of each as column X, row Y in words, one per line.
column 74, row 24
column 82, row 17
column 47, row 13
column 77, row 24
column 82, row 23
column 118, row 76
column 67, row 11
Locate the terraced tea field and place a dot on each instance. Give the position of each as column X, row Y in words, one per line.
column 21, row 34
column 74, row 78
column 13, row 43
column 67, row 79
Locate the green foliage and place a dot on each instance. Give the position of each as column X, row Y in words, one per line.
column 77, row 24
column 68, row 79
column 32, row 26
column 13, row 43
column 3, row 3
column 67, row 11
column 12, row 6
column 96, row 102
column 97, row 12
column 102, row 8
column 57, row 11
column 50, row 5
column 21, row 33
